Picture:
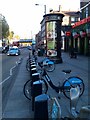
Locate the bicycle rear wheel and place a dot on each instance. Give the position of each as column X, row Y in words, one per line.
column 50, row 67
column 27, row 89
column 73, row 82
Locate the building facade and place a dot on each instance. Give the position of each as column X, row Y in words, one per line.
column 70, row 17
column 81, row 30
column 75, row 29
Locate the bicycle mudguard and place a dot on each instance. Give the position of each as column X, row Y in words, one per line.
column 73, row 80
column 50, row 63
column 45, row 61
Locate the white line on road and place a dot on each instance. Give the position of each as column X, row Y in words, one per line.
column 5, row 80
column 12, row 70
column 18, row 62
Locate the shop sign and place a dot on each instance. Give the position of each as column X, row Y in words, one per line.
column 81, row 22
column 53, row 17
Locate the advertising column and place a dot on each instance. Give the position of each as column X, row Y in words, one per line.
column 53, row 36
column 51, row 39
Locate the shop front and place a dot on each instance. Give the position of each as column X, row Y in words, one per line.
column 81, row 36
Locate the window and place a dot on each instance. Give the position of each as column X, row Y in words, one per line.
column 72, row 19
column 86, row 11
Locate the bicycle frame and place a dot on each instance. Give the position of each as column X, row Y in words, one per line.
column 71, row 82
column 56, row 88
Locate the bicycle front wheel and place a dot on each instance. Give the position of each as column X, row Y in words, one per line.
column 27, row 89
column 73, row 82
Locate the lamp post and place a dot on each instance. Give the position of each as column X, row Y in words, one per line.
column 44, row 8
column 88, row 3
column 81, row 11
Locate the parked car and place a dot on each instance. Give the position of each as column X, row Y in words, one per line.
column 13, row 51
column 4, row 49
column 29, row 47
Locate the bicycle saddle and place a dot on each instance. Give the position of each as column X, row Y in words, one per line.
column 66, row 71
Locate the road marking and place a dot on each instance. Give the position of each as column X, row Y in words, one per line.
column 8, row 76
column 17, row 62
column 12, row 70
column 5, row 80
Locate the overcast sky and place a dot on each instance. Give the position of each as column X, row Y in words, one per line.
column 24, row 17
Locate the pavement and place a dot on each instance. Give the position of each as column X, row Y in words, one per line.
column 20, row 107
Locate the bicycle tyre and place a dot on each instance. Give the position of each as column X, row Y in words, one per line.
column 50, row 67
column 75, row 81
column 27, row 89
column 28, row 65
column 45, row 86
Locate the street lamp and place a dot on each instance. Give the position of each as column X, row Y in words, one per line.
column 44, row 7
column 83, row 8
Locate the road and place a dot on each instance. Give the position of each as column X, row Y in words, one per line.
column 8, row 62
column 10, row 70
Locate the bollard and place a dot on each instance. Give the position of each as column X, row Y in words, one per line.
column 41, row 107
column 32, row 62
column 35, row 76
column 36, row 90
column 33, row 65
column 33, row 70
